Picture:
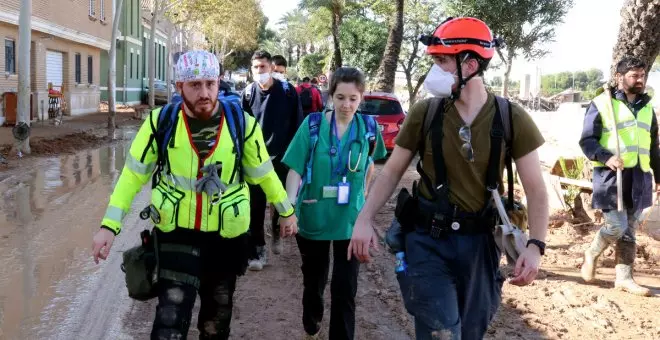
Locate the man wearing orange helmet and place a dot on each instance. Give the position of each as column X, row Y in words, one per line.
column 449, row 277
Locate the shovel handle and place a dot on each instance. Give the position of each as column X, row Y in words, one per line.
column 619, row 179
column 619, row 191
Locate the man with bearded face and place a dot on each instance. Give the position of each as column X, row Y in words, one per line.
column 629, row 108
column 200, row 201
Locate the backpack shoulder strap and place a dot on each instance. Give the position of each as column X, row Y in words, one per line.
column 314, row 125
column 434, row 105
column 166, row 127
column 235, row 119
column 505, row 112
column 370, row 135
column 433, row 122
column 165, row 130
column 436, row 123
column 507, row 120
column 502, row 128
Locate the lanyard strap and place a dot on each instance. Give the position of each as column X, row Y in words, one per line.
column 338, row 150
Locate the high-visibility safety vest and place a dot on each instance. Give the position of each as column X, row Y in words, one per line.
column 634, row 133
column 174, row 196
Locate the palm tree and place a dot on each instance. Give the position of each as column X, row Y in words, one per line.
column 639, row 33
column 336, row 7
column 295, row 32
column 387, row 69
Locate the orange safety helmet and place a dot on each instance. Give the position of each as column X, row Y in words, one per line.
column 456, row 35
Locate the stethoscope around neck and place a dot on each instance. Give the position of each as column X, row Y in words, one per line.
column 334, row 150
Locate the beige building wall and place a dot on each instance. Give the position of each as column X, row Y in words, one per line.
column 65, row 26
column 71, row 15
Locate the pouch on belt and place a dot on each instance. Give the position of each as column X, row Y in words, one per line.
column 140, row 264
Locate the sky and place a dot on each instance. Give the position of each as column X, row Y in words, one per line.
column 583, row 41
column 275, row 9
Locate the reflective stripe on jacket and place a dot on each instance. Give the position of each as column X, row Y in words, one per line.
column 175, row 198
column 634, row 133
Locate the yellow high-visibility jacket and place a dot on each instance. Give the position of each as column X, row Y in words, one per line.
column 634, row 132
column 175, row 198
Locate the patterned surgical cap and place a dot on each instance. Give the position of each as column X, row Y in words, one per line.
column 197, row 65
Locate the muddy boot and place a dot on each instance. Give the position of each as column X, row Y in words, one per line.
column 625, row 257
column 591, row 255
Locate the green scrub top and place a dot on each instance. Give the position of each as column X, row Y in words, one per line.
column 326, row 219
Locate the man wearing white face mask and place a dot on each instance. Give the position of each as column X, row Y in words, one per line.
column 279, row 67
column 275, row 105
column 448, row 259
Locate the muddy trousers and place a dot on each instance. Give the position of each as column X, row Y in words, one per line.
column 315, row 265
column 452, row 285
column 216, row 266
column 620, row 226
column 258, row 204
column 175, row 305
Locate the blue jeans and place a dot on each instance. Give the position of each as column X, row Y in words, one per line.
column 620, row 225
column 452, row 286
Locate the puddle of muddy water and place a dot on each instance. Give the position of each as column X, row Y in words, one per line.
column 49, row 211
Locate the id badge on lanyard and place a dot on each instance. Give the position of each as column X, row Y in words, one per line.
column 343, row 192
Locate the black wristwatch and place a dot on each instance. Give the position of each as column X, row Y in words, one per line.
column 539, row 244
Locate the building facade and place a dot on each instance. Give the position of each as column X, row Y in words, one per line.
column 132, row 62
column 67, row 39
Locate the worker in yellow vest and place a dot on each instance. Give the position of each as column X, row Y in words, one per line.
column 637, row 127
column 202, row 154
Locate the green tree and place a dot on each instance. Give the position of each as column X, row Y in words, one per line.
column 233, row 26
column 267, row 39
column 581, row 80
column 421, row 16
column 594, row 78
column 549, row 85
column 336, row 8
column 564, row 80
column 389, row 61
column 496, row 82
column 587, row 81
column 295, row 34
column 366, row 40
column 525, row 25
column 311, row 65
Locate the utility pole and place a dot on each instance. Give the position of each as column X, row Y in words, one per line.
column 22, row 129
column 168, row 62
column 151, row 54
column 112, row 71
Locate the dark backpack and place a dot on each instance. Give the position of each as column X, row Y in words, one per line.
column 165, row 130
column 306, row 98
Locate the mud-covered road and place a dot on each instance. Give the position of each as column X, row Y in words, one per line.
column 51, row 289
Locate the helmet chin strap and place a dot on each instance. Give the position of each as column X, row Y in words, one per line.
column 461, row 81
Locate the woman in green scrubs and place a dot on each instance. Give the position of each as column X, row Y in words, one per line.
column 330, row 198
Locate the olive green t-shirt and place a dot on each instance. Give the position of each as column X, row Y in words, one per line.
column 467, row 180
